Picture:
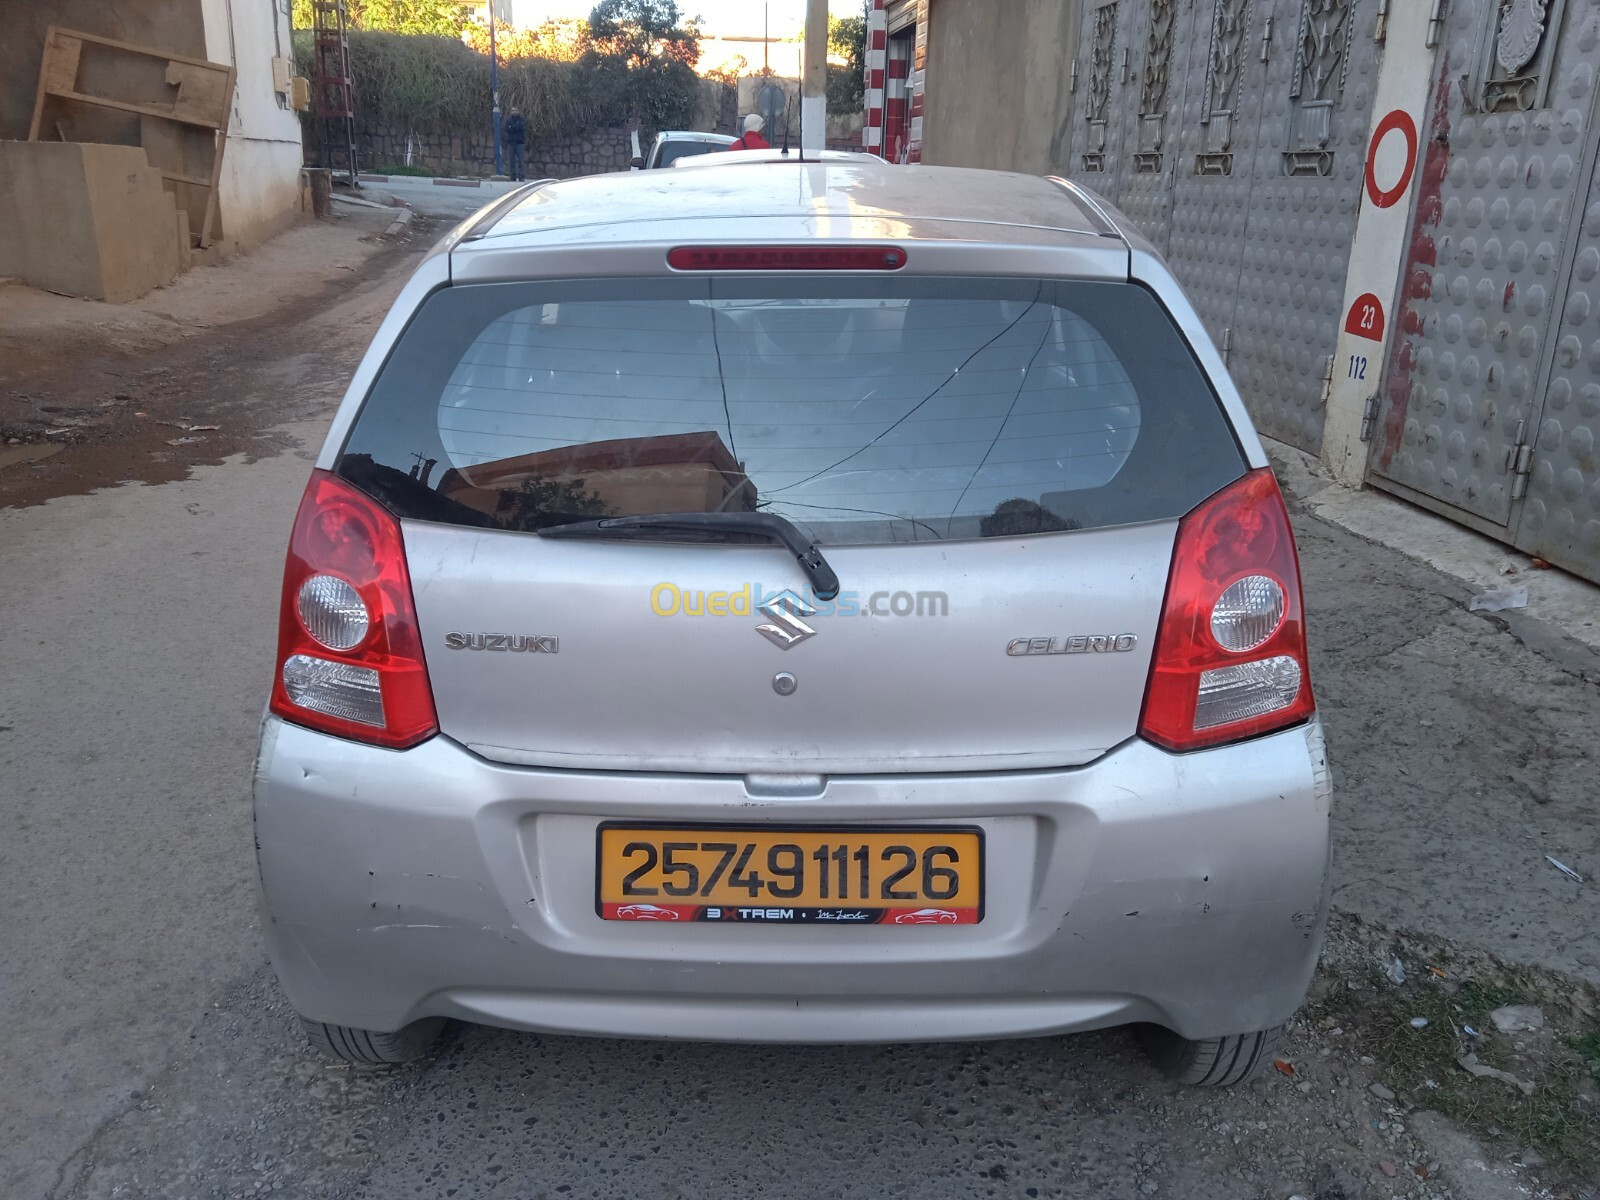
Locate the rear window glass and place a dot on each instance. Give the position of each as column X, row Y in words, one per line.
column 863, row 410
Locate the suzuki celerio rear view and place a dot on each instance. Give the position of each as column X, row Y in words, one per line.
column 801, row 603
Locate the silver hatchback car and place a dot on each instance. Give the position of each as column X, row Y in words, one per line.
column 816, row 602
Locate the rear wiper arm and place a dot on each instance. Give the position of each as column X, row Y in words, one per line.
column 768, row 525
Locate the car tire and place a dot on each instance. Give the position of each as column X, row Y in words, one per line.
column 1211, row 1062
column 368, row 1046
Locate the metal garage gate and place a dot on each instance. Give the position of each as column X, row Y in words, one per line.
column 1233, row 133
column 1490, row 404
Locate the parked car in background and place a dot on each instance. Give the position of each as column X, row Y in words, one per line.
column 674, row 144
column 824, row 602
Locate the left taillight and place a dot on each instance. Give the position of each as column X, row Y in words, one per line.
column 349, row 651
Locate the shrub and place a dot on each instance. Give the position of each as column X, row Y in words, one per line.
column 441, row 85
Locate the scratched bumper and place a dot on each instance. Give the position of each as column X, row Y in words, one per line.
column 1187, row 890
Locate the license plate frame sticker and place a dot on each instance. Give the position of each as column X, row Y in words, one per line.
column 815, row 874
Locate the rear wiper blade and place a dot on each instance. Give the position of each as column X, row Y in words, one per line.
column 768, row 525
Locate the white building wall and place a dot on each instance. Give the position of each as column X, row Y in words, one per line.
column 259, row 191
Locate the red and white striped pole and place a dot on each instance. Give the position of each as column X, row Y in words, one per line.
column 876, row 67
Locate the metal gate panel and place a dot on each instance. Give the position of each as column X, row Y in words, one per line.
column 1097, row 134
column 1498, row 179
column 1560, row 518
column 1213, row 177
column 1321, row 66
column 1142, row 185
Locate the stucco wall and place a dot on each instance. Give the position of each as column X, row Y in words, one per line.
column 259, row 191
column 997, row 90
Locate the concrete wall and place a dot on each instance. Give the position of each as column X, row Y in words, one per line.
column 259, row 192
column 87, row 220
column 997, row 84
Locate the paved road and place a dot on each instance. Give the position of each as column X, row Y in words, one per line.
column 445, row 200
column 147, row 1052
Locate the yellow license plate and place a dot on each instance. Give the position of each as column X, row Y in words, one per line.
column 846, row 875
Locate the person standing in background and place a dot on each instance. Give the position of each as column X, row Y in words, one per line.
column 516, row 138
column 752, row 139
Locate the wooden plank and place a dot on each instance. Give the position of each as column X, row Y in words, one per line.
column 204, row 94
column 182, row 153
column 61, row 63
column 145, row 110
column 47, row 72
column 191, row 180
column 131, row 48
column 216, row 172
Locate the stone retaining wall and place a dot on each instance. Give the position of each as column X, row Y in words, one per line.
column 464, row 154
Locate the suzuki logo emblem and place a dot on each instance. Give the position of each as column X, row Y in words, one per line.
column 787, row 629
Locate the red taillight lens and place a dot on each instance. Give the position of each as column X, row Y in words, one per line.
column 1230, row 655
column 786, row 258
column 349, row 651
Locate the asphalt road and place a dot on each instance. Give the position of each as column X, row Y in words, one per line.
column 445, row 201
column 147, row 1052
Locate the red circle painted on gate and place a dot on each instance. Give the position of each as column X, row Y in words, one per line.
column 1396, row 119
column 1365, row 318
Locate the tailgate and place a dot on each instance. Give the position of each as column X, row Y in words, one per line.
column 978, row 655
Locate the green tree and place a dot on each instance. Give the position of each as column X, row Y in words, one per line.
column 638, row 64
column 441, row 17
column 642, row 32
column 847, row 42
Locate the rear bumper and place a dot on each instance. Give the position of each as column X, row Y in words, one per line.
column 1184, row 890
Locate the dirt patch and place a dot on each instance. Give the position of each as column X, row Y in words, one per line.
column 1510, row 1053
column 133, row 393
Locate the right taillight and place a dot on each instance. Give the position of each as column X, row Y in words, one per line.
column 349, row 652
column 1230, row 653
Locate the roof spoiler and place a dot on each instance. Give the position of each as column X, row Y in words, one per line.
column 1105, row 226
column 491, row 215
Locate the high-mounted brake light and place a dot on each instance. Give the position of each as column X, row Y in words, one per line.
column 1230, row 654
column 349, row 653
column 786, row 258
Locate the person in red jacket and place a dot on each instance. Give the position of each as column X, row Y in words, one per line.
column 752, row 139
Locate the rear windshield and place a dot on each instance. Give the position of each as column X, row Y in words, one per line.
column 863, row 410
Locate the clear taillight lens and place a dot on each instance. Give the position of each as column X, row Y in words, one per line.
column 1247, row 613
column 1245, row 690
column 335, row 689
column 333, row 613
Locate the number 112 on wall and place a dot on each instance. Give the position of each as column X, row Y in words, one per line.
column 1358, row 367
